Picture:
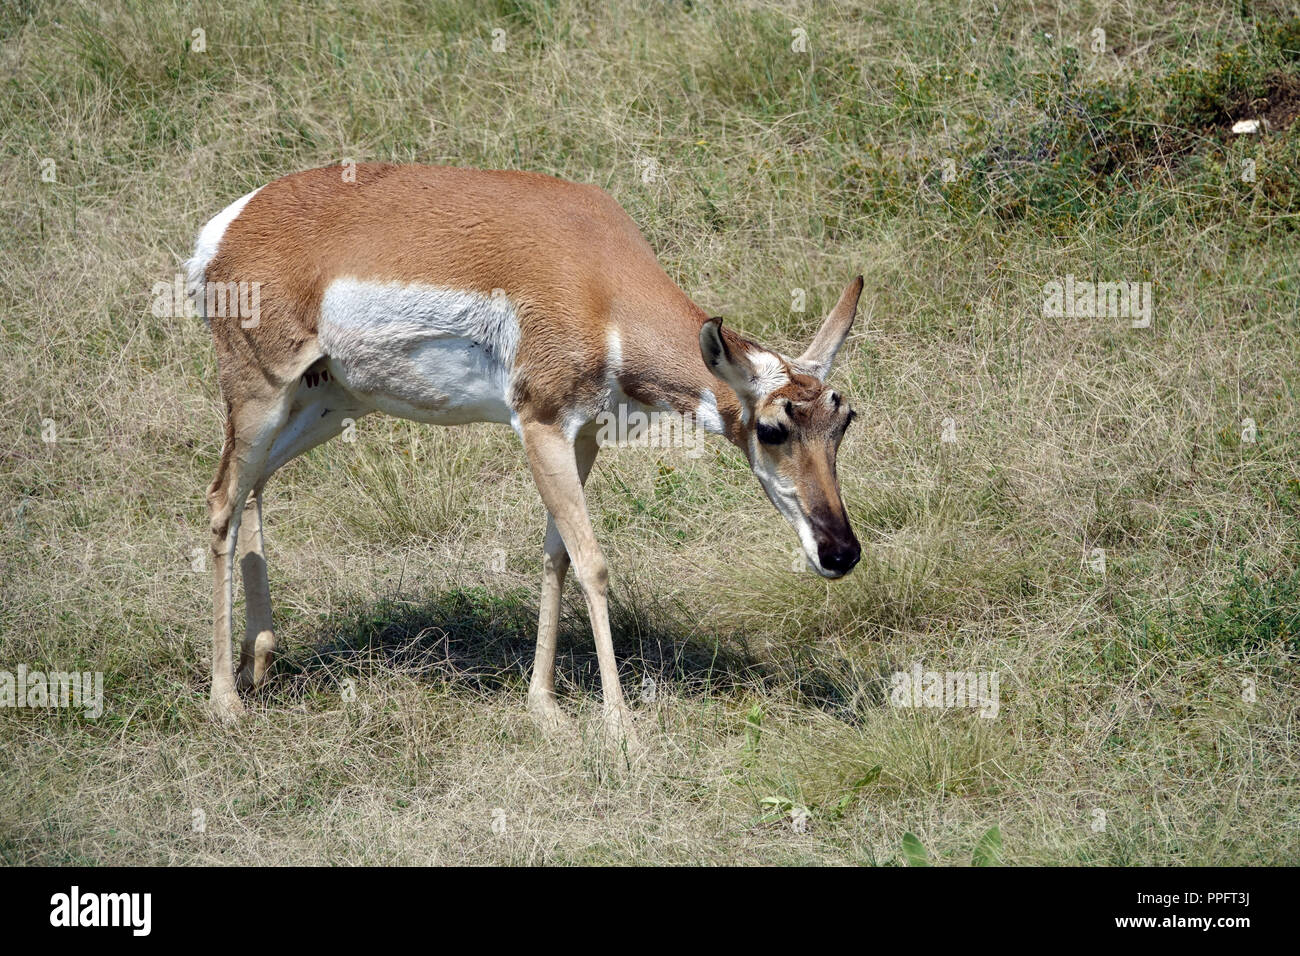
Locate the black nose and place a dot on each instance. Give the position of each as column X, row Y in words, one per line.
column 839, row 557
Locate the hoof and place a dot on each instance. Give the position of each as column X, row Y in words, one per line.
column 619, row 727
column 253, row 667
column 227, row 708
column 546, row 714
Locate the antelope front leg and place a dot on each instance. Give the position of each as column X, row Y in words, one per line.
column 555, row 564
column 554, row 464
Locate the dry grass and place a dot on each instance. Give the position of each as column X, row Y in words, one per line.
column 1120, row 692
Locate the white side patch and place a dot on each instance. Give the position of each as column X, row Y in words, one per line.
column 205, row 247
column 576, row 418
column 613, row 359
column 422, row 352
column 614, row 394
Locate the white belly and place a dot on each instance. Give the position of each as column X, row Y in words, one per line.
column 422, row 352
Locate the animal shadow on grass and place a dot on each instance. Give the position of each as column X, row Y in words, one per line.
column 483, row 641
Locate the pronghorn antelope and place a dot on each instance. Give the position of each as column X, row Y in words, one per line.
column 451, row 296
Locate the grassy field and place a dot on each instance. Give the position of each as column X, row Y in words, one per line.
column 1113, row 529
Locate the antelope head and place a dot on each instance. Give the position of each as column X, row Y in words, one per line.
column 790, row 428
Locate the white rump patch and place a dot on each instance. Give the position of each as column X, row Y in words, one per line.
column 205, row 247
column 423, row 352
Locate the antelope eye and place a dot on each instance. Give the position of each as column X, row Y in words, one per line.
column 772, row 434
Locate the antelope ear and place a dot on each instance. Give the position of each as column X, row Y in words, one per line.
column 817, row 360
column 727, row 364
